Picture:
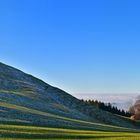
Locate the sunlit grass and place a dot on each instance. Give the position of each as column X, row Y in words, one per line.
column 34, row 132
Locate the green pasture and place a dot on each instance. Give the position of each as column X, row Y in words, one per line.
column 18, row 132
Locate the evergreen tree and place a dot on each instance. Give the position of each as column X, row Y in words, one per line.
column 107, row 107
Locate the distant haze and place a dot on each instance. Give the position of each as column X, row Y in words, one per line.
column 122, row 101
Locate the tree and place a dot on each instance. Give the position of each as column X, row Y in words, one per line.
column 108, row 107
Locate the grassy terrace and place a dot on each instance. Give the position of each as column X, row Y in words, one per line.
column 12, row 132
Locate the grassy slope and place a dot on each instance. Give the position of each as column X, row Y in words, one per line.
column 27, row 102
column 26, row 98
column 18, row 129
column 33, row 132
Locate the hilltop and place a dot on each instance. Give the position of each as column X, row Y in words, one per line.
column 25, row 99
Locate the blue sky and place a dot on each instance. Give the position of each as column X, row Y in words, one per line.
column 81, row 46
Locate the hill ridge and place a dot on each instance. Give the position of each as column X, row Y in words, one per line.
column 26, row 98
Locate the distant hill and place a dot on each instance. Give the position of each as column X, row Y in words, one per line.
column 29, row 100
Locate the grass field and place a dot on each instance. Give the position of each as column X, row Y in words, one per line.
column 18, row 132
column 31, row 109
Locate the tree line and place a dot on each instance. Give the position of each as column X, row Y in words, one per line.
column 108, row 107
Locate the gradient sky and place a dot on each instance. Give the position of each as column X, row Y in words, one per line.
column 81, row 46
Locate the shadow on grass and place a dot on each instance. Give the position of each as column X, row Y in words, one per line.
column 40, row 136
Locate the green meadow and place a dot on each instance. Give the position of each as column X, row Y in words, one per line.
column 19, row 132
column 31, row 109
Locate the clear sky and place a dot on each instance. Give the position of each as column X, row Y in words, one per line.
column 81, row 46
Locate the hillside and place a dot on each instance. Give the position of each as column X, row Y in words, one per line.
column 25, row 99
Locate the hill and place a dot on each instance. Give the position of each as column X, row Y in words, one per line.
column 27, row 100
